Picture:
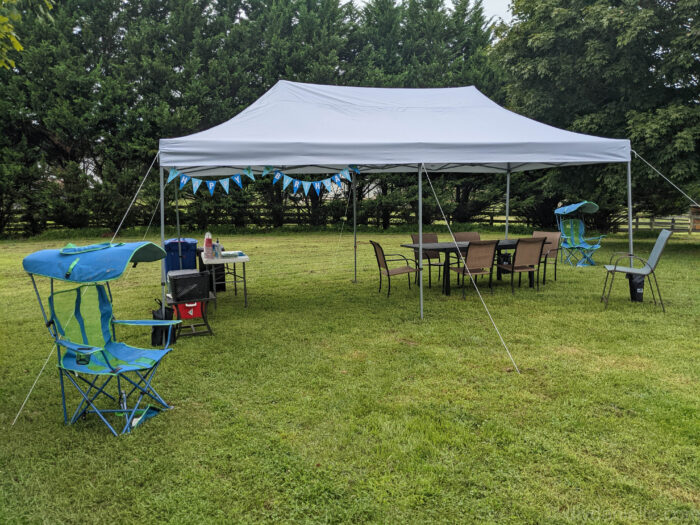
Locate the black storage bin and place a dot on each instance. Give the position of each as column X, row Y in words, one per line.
column 217, row 273
column 636, row 287
column 188, row 248
column 188, row 285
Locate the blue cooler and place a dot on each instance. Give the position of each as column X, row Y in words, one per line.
column 188, row 247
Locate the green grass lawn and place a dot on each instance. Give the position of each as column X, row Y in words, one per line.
column 325, row 401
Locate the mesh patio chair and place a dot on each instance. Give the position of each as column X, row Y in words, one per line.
column 526, row 259
column 432, row 256
column 647, row 270
column 479, row 260
column 384, row 269
column 550, row 251
column 466, row 237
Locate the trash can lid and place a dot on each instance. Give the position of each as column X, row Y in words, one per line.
column 184, row 240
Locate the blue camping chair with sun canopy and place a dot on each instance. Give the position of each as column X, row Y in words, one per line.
column 114, row 380
column 576, row 248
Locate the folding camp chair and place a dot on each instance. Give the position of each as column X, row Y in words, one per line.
column 113, row 379
column 577, row 248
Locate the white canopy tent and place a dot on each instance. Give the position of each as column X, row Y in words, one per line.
column 307, row 128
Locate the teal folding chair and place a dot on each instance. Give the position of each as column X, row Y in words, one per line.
column 113, row 380
column 577, row 249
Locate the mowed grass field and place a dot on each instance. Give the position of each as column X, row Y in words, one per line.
column 325, row 401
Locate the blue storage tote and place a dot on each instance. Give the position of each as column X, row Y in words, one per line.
column 188, row 247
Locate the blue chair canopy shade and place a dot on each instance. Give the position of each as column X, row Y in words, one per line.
column 90, row 264
column 582, row 207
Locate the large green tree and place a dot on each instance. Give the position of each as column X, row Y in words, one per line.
column 615, row 68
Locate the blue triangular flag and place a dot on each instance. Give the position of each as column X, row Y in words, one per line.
column 249, row 173
column 184, row 179
column 173, row 175
column 346, row 174
column 336, row 179
column 327, row 184
column 354, row 168
column 306, row 185
column 295, row 185
column 317, row 187
column 237, row 179
column 195, row 184
column 225, row 183
column 211, row 184
column 287, row 180
column 266, row 170
column 277, row 177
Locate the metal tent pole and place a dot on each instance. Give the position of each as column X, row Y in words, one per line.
column 507, row 199
column 162, row 239
column 629, row 208
column 177, row 222
column 354, row 221
column 420, row 237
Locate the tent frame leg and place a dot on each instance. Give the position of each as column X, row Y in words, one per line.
column 420, row 236
column 162, row 239
column 507, row 199
column 354, row 222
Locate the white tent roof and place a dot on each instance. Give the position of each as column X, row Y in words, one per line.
column 317, row 129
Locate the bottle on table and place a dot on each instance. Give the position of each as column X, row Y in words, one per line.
column 208, row 248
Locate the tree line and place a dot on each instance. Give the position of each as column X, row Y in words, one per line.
column 94, row 88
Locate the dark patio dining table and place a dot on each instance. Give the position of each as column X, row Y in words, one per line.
column 451, row 247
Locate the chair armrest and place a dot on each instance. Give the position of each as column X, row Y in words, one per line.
column 628, row 256
column 78, row 348
column 149, row 322
column 594, row 238
column 403, row 257
column 616, row 254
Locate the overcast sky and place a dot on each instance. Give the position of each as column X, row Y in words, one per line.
column 497, row 8
column 491, row 8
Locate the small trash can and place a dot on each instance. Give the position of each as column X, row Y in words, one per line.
column 636, row 287
column 174, row 248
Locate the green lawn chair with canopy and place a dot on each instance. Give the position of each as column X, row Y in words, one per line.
column 113, row 379
column 576, row 247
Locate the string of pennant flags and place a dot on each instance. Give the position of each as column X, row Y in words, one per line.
column 277, row 176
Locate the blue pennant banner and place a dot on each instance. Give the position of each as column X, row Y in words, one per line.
column 184, row 179
column 211, row 184
column 327, row 184
column 249, row 173
column 237, row 180
column 266, row 170
column 287, row 181
column 277, row 177
column 195, row 184
column 306, row 186
column 354, row 168
column 346, row 174
column 317, row 187
column 336, row 179
column 225, row 183
column 295, row 185
column 173, row 175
